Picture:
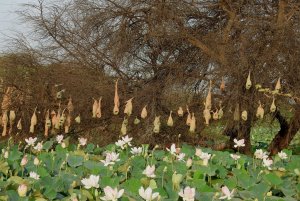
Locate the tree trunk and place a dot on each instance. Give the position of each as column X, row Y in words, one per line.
column 286, row 133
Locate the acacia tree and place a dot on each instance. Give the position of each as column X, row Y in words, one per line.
column 154, row 46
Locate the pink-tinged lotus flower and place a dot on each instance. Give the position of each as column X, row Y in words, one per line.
column 22, row 190
column 34, row 175
column 24, row 161
column 147, row 194
column 136, row 150
column 92, row 181
column 82, row 141
column 282, row 155
column 235, row 156
column 226, row 193
column 39, row 146
column 111, row 158
column 180, row 156
column 198, row 152
column 112, row 194
column 30, row 141
column 59, row 138
column 188, row 194
column 127, row 140
column 149, row 171
column 260, row 154
column 239, row 143
column 267, row 163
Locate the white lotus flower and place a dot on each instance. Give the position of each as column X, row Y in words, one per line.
column 127, row 140
column 120, row 143
column 235, row 156
column 30, row 141
column 39, row 146
column 82, row 141
column 112, row 194
column 136, row 150
column 260, row 154
column 226, row 193
column 111, row 158
column 149, row 171
column 188, row 194
column 267, row 163
column 239, row 143
column 34, row 175
column 147, row 194
column 172, row 149
column 205, row 157
column 90, row 182
column 282, row 155
column 59, row 138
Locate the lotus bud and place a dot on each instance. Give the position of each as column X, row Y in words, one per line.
column 22, row 190
column 136, row 121
column 260, row 111
column 170, row 120
column 19, row 124
column 156, row 124
column 189, row 163
column 207, row 116
column 193, row 124
column 273, row 106
column 180, row 112
column 248, row 83
column 128, row 107
column 98, row 111
column 6, row 154
column 36, row 161
column 63, row 145
column 24, row 161
column 144, row 112
column 78, row 119
column 95, row 106
column 244, row 115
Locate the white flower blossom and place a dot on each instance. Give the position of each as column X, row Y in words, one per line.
column 188, row 194
column 235, row 156
column 180, row 156
column 112, row 194
column 239, row 143
column 34, row 175
column 111, row 158
column 282, row 155
column 147, row 194
column 82, row 141
column 136, row 150
column 260, row 154
column 59, row 138
column 31, row 141
column 92, row 181
column 39, row 146
column 226, row 193
column 267, row 163
column 150, row 171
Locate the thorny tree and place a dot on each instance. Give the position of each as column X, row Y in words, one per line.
column 159, row 46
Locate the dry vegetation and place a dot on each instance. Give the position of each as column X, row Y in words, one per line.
column 164, row 53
